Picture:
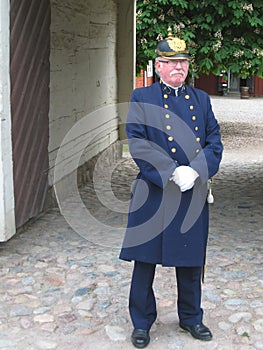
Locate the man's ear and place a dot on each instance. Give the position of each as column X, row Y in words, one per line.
column 157, row 64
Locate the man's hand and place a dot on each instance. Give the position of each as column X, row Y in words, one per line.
column 184, row 176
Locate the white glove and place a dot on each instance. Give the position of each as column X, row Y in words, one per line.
column 184, row 176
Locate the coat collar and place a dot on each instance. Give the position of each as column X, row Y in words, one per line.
column 172, row 91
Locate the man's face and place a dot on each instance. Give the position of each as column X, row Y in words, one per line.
column 172, row 72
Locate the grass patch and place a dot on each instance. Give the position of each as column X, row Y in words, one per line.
column 125, row 148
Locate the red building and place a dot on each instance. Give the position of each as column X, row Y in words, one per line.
column 212, row 84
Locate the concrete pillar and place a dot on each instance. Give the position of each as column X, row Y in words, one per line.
column 7, row 206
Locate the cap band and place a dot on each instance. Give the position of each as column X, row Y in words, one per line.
column 172, row 55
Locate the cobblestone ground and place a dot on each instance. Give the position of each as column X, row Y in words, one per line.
column 66, row 291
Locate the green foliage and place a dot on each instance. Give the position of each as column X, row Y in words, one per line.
column 221, row 35
column 245, row 334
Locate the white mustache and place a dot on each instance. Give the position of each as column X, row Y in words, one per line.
column 175, row 71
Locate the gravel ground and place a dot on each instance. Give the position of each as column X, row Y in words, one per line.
column 238, row 110
column 242, row 129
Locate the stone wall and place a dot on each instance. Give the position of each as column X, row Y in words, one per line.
column 83, row 80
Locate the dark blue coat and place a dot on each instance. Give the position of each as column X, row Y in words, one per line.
column 166, row 226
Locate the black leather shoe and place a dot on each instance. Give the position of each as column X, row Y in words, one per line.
column 140, row 338
column 199, row 331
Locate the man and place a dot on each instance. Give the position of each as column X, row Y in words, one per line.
column 175, row 140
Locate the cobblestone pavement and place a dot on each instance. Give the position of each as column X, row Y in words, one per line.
column 66, row 291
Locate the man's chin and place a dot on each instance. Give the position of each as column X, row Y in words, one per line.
column 178, row 81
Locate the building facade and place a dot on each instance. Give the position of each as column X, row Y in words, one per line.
column 211, row 84
column 61, row 60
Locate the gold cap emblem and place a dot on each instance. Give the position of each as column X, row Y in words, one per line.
column 175, row 43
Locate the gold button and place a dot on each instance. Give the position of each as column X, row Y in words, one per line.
column 198, row 139
column 193, row 117
column 168, row 127
column 197, row 150
column 170, row 138
column 187, row 97
column 166, row 106
column 167, row 116
column 196, row 128
column 191, row 107
column 165, row 96
column 173, row 150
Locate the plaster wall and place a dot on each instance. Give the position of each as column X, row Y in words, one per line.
column 7, row 215
column 83, row 80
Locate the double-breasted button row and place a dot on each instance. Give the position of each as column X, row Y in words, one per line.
column 196, row 128
column 168, row 127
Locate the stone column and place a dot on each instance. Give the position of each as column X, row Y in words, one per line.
column 7, row 206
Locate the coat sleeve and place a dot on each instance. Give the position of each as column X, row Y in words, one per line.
column 207, row 162
column 153, row 161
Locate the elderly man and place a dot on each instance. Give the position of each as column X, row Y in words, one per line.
column 175, row 140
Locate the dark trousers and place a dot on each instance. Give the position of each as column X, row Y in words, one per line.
column 142, row 304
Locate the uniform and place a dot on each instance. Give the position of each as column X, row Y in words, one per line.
column 168, row 129
column 156, row 120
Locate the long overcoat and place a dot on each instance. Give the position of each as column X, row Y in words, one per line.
column 166, row 129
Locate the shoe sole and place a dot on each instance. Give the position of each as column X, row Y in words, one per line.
column 140, row 346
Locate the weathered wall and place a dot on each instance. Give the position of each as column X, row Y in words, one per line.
column 7, row 216
column 83, row 77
